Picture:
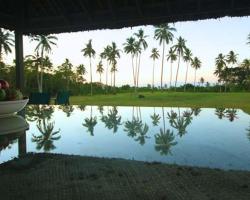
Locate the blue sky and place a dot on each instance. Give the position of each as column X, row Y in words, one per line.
column 206, row 39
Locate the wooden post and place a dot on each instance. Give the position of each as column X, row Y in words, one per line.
column 19, row 60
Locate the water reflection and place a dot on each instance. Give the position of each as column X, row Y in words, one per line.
column 155, row 118
column 180, row 121
column 112, row 120
column 164, row 141
column 90, row 123
column 45, row 141
column 156, row 133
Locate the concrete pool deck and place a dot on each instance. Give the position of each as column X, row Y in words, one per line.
column 56, row 176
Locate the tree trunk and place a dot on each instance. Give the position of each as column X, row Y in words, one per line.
column 194, row 79
column 186, row 78
column 162, row 62
column 153, row 79
column 132, row 56
column 90, row 68
column 100, row 77
column 170, row 82
column 136, row 65
column 138, row 70
column 179, row 59
column 114, row 81
column 107, row 68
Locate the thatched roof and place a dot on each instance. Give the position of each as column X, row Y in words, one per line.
column 55, row 16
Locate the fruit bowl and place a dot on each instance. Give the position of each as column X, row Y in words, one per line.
column 8, row 108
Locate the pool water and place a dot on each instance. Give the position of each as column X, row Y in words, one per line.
column 205, row 137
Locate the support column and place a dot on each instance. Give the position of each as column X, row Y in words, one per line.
column 19, row 60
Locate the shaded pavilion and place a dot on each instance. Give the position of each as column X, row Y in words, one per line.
column 57, row 16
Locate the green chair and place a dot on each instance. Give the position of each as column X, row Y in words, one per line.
column 39, row 98
column 62, row 98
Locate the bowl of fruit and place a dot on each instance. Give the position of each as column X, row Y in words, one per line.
column 11, row 100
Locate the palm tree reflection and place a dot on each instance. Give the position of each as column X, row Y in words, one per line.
column 248, row 132
column 112, row 120
column 220, row 112
column 231, row 114
column 164, row 141
column 90, row 123
column 196, row 111
column 38, row 112
column 47, row 137
column 135, row 128
column 180, row 122
column 67, row 109
column 155, row 118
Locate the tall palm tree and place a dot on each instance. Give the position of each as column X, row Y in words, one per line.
column 163, row 33
column 179, row 48
column 129, row 48
column 154, row 55
column 246, row 65
column 196, row 64
column 6, row 42
column 105, row 55
column 88, row 51
column 143, row 45
column 220, row 64
column 100, row 70
column 187, row 58
column 113, row 56
column 202, row 80
column 232, row 58
column 44, row 46
column 171, row 57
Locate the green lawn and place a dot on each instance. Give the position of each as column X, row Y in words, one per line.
column 174, row 99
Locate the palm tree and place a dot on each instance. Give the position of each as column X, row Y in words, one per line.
column 143, row 45
column 246, row 65
column 113, row 56
column 248, row 39
column 88, row 51
column 6, row 42
column 154, row 55
column 43, row 47
column 187, row 58
column 105, row 55
column 47, row 137
column 81, row 71
column 164, row 141
column 163, row 33
column 129, row 48
column 196, row 64
column 202, row 80
column 171, row 57
column 100, row 70
column 248, row 133
column 220, row 64
column 231, row 58
column 132, row 127
column 179, row 48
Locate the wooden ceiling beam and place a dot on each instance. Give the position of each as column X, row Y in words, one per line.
column 139, row 7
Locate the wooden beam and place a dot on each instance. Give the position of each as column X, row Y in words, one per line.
column 85, row 10
column 19, row 60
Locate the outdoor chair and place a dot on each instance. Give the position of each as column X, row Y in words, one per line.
column 62, row 98
column 39, row 98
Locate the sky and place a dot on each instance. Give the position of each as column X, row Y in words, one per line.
column 205, row 38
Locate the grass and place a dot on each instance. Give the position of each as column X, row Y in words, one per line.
column 169, row 99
